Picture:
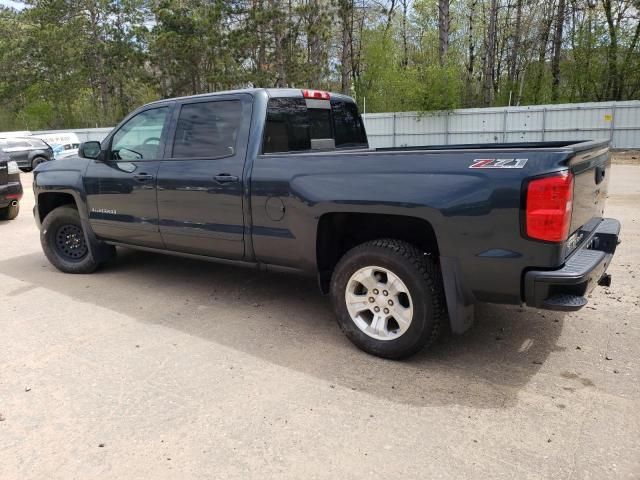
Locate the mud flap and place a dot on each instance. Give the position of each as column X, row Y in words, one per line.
column 460, row 302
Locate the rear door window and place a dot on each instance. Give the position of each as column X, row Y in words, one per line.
column 207, row 129
column 348, row 125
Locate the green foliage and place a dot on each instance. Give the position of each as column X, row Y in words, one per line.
column 389, row 86
column 68, row 64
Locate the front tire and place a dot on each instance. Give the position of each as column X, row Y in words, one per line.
column 64, row 242
column 10, row 212
column 388, row 298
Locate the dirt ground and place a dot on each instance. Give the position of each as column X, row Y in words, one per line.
column 626, row 157
column 160, row 367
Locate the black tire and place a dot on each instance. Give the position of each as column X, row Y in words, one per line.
column 10, row 212
column 64, row 242
column 37, row 161
column 421, row 275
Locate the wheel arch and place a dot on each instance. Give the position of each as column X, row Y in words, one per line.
column 339, row 232
column 49, row 201
column 33, row 154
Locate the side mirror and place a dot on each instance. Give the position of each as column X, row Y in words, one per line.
column 89, row 149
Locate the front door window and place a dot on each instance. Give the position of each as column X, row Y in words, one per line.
column 139, row 138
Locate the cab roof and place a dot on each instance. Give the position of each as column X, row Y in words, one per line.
column 271, row 92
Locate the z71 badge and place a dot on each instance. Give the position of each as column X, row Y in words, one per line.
column 499, row 163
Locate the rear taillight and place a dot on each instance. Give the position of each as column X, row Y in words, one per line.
column 316, row 94
column 548, row 208
column 12, row 168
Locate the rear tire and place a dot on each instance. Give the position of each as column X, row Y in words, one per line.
column 37, row 161
column 388, row 298
column 65, row 244
column 10, row 212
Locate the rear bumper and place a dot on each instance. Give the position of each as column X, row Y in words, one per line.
column 10, row 192
column 566, row 289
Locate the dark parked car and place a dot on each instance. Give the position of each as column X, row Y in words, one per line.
column 27, row 152
column 10, row 188
column 404, row 239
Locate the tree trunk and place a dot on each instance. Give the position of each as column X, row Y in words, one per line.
column 390, row 12
column 513, row 59
column 542, row 55
column 471, row 46
column 490, row 55
column 345, row 13
column 262, row 54
column 405, row 48
column 444, row 24
column 557, row 50
column 612, row 53
column 279, row 40
column 316, row 52
column 627, row 59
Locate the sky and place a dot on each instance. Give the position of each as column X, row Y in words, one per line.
column 12, row 4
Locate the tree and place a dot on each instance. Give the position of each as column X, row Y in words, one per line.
column 490, row 54
column 444, row 24
column 78, row 63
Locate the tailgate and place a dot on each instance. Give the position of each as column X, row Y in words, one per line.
column 591, row 170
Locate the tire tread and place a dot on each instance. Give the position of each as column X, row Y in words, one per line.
column 428, row 269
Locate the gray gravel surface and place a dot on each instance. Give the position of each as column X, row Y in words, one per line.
column 160, row 367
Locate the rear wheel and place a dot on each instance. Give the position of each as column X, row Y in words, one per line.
column 37, row 161
column 64, row 242
column 10, row 212
column 388, row 298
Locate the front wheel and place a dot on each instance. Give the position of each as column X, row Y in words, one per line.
column 10, row 212
column 388, row 298
column 64, row 242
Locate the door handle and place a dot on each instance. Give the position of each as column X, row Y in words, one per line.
column 143, row 177
column 226, row 178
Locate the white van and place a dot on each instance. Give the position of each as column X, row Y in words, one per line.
column 64, row 144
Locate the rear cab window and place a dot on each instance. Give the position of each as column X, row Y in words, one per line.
column 302, row 124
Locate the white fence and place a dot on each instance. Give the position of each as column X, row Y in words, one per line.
column 617, row 121
column 84, row 134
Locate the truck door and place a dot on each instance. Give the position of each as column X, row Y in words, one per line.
column 200, row 184
column 121, row 190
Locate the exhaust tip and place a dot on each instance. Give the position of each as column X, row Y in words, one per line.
column 14, row 203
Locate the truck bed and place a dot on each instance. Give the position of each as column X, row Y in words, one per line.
column 574, row 146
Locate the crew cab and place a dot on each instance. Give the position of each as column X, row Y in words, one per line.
column 10, row 188
column 405, row 240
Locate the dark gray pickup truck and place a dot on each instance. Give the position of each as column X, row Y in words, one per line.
column 405, row 240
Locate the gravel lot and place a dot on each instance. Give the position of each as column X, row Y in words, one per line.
column 160, row 367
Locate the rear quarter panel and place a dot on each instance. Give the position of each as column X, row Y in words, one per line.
column 475, row 213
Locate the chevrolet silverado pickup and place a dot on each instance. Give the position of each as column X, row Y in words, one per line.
column 10, row 188
column 405, row 240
